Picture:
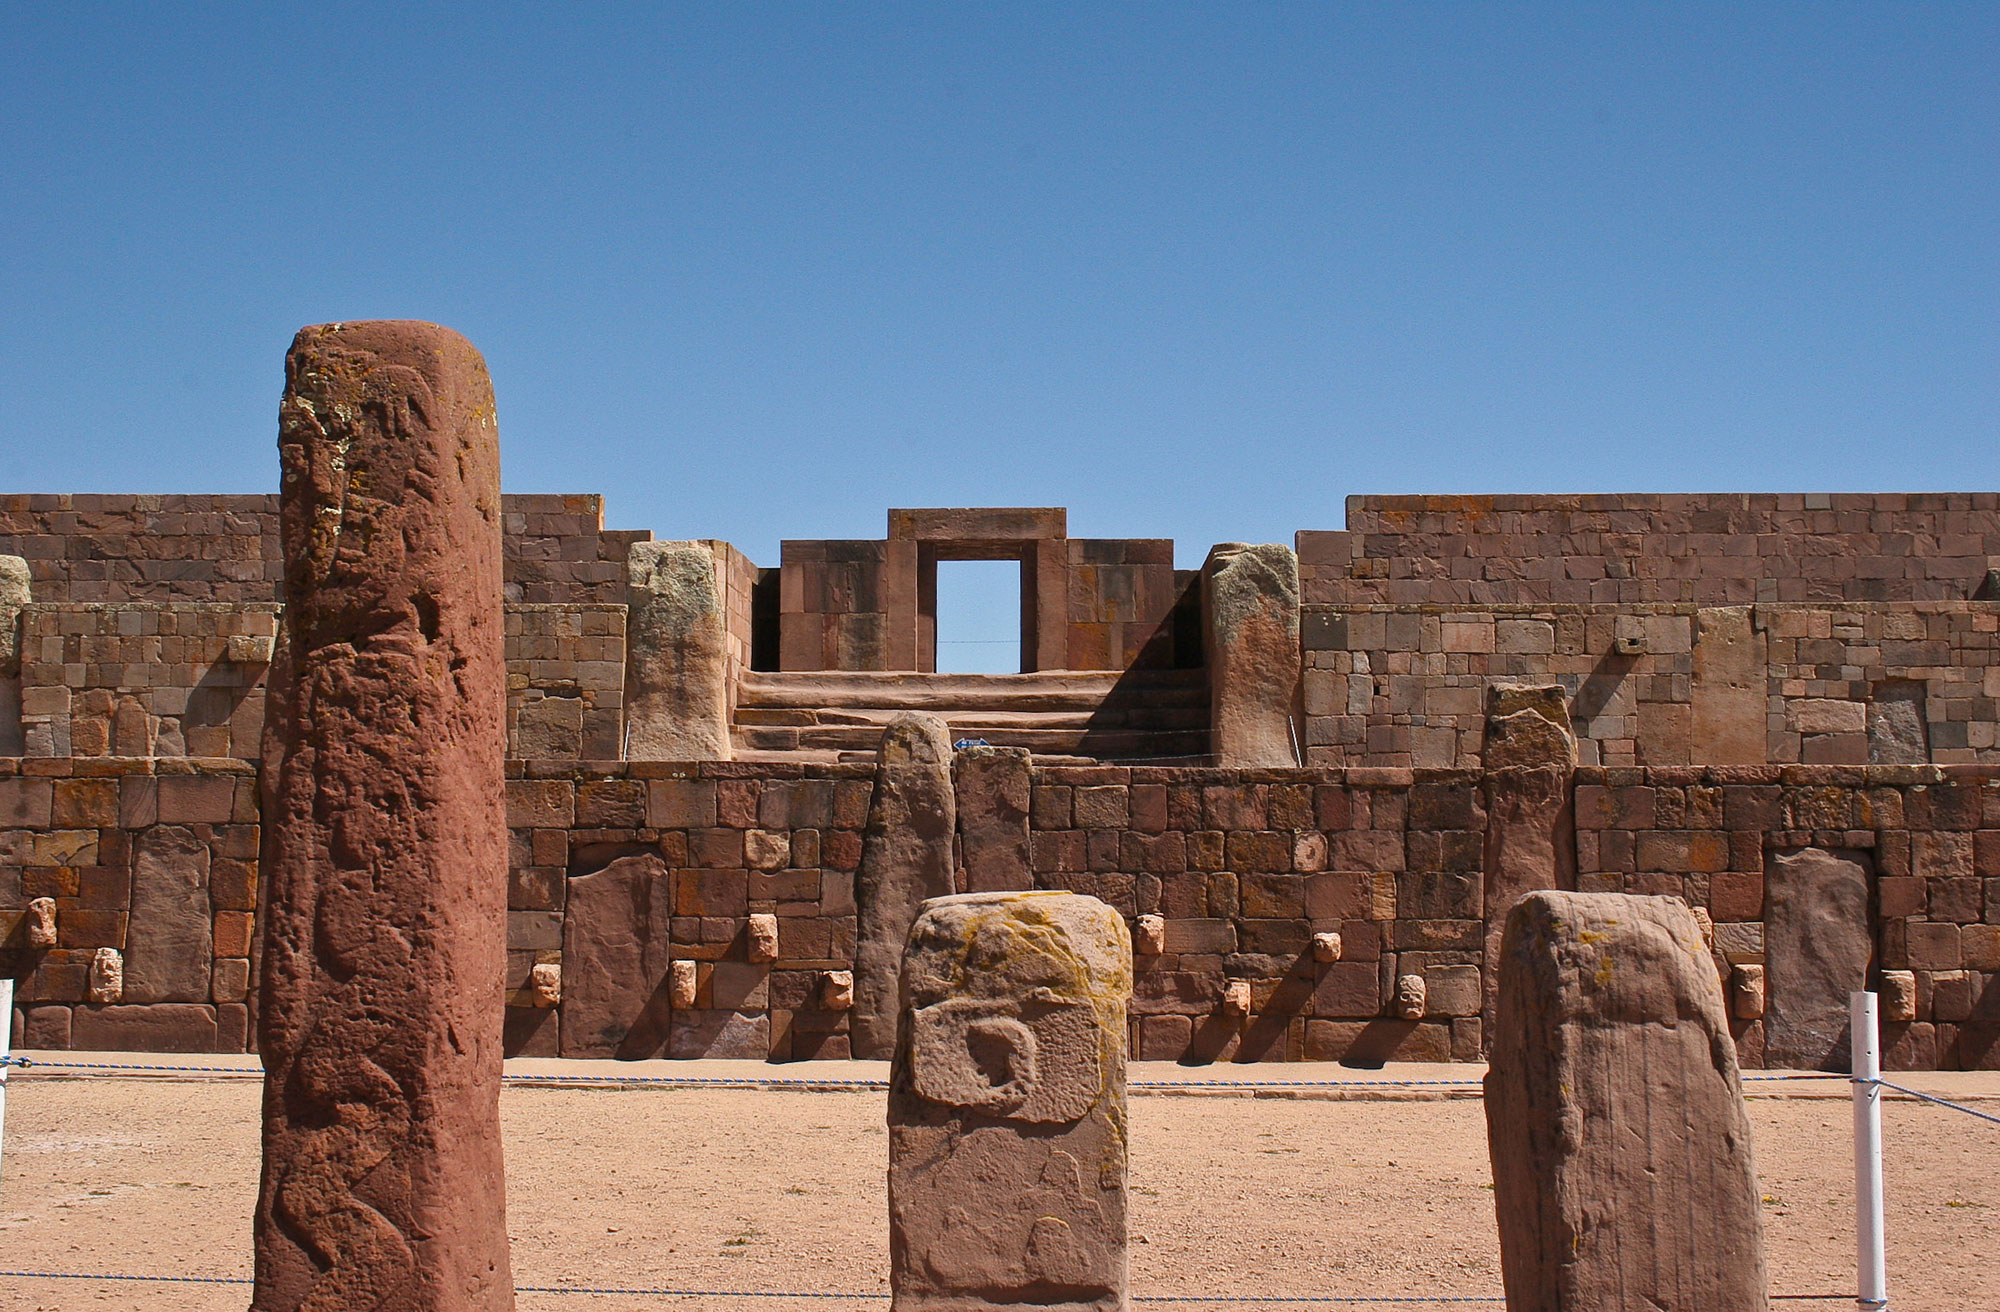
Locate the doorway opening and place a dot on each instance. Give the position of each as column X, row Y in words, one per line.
column 978, row 617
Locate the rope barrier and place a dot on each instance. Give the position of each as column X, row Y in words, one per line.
column 1406, row 1299
column 838, row 1084
column 1928, row 1097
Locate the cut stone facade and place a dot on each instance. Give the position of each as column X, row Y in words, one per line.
column 1744, row 678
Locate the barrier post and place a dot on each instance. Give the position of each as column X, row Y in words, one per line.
column 1870, row 1264
column 6, row 1051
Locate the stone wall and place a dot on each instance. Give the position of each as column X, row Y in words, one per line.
column 144, row 679
column 565, row 682
column 106, row 548
column 188, row 679
column 154, row 859
column 1932, row 837
column 1849, row 684
column 1243, row 868
column 1714, row 549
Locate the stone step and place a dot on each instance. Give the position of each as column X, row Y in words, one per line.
column 1053, row 690
column 1097, row 744
column 1166, row 718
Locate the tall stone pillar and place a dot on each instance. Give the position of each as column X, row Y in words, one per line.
column 385, row 838
column 15, row 594
column 905, row 859
column 1007, row 1125
column 677, row 656
column 1622, row 1171
column 1250, row 612
column 1529, row 753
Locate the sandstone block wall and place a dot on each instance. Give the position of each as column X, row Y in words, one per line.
column 1932, row 837
column 114, row 548
column 145, row 680
column 1242, row 868
column 565, row 681
column 1714, row 549
column 154, row 858
column 1849, row 684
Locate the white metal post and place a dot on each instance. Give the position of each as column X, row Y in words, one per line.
column 6, row 1048
column 1871, row 1267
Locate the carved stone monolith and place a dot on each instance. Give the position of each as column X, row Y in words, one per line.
column 677, row 655
column 1622, row 1168
column 1250, row 610
column 385, row 838
column 905, row 859
column 1007, row 1129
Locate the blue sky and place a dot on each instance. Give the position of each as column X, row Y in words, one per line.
column 1194, row 271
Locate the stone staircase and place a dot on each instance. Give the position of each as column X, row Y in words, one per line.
column 1076, row 715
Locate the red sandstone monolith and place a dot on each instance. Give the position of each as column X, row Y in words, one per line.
column 905, row 859
column 1250, row 610
column 385, row 840
column 1007, row 1127
column 1622, row 1169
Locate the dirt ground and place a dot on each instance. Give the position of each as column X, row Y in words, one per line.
column 734, row 1189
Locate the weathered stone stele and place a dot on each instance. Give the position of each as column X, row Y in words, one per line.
column 615, row 943
column 1727, row 693
column 1529, row 752
column 991, row 786
column 905, row 859
column 1622, row 1169
column 169, row 938
column 677, row 656
column 1250, row 607
column 384, row 839
column 1007, row 1129
column 1817, row 945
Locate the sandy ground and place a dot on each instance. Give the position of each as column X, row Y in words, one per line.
column 745, row 1189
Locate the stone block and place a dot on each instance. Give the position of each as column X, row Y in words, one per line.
column 1746, row 992
column 1451, row 991
column 163, row 1027
column 1250, row 609
column 107, row 975
column 1814, row 715
column 1007, row 1131
column 1622, row 1166
column 993, row 806
column 170, row 943
column 762, row 938
column 1898, row 996
column 677, row 666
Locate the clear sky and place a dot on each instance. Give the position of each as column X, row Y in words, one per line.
column 1194, row 271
